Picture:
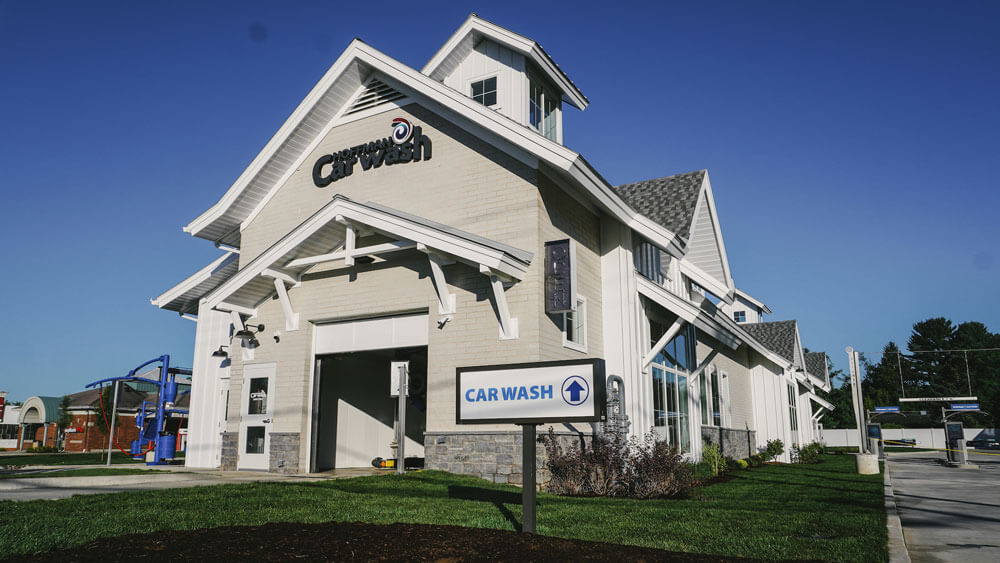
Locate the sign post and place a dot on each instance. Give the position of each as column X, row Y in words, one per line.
column 857, row 402
column 529, row 395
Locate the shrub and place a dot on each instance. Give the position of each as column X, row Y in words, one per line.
column 43, row 450
column 613, row 466
column 712, row 457
column 774, row 448
column 743, row 464
column 809, row 453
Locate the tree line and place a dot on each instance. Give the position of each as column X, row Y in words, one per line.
column 933, row 365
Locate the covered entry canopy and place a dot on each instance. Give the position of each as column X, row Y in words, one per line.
column 331, row 234
column 40, row 410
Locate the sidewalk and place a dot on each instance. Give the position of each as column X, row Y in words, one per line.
column 177, row 476
column 947, row 514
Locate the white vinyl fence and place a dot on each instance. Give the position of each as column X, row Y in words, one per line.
column 925, row 437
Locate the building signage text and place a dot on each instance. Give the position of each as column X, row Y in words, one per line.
column 406, row 144
column 560, row 391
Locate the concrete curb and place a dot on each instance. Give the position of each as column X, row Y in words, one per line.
column 897, row 544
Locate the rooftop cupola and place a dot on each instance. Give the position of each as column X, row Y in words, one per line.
column 508, row 73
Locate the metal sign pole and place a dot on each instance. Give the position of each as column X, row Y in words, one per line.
column 528, row 478
column 401, row 427
column 114, row 416
column 856, row 398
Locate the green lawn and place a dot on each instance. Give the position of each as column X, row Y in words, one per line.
column 823, row 511
column 69, row 459
column 89, row 472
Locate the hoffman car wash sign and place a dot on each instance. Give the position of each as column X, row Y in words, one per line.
column 534, row 393
column 406, row 144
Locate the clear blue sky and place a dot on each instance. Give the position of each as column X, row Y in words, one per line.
column 852, row 147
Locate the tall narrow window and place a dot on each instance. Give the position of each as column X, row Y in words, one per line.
column 716, row 399
column 575, row 326
column 703, row 388
column 485, row 91
column 793, row 410
column 542, row 110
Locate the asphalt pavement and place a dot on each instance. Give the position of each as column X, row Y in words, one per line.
column 947, row 513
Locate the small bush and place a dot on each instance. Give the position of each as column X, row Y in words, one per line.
column 743, row 464
column 615, row 467
column 774, row 448
column 809, row 453
column 43, row 450
column 712, row 457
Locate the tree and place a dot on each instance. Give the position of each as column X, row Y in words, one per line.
column 103, row 416
column 938, row 366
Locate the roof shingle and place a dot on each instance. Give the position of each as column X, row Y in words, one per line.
column 670, row 201
column 778, row 336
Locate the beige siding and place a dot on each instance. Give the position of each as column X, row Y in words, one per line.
column 468, row 185
column 563, row 217
column 703, row 249
column 735, row 364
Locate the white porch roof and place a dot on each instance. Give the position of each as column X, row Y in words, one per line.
column 330, row 235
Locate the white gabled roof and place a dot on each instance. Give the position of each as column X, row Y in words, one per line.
column 221, row 222
column 461, row 43
column 184, row 296
column 317, row 236
column 750, row 299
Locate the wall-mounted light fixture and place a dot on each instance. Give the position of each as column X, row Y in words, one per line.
column 249, row 332
column 220, row 353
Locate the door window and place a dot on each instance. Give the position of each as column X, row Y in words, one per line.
column 258, row 396
column 255, row 439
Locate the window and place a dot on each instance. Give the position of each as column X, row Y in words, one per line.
column 670, row 386
column 649, row 260
column 575, row 326
column 258, row 396
column 485, row 91
column 716, row 399
column 542, row 114
column 9, row 431
column 740, row 316
column 255, row 440
column 793, row 411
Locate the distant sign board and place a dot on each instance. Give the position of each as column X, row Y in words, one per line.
column 886, row 409
column 560, row 276
column 965, row 406
column 534, row 393
column 935, row 399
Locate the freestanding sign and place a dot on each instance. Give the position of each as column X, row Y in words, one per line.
column 528, row 395
column 535, row 393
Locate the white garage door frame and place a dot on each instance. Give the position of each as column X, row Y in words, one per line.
column 403, row 330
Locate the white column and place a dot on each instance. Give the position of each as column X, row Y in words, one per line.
column 210, row 376
column 621, row 322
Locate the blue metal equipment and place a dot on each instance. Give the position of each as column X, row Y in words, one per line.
column 154, row 430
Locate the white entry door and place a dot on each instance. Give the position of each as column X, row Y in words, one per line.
column 257, row 410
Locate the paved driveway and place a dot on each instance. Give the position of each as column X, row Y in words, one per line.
column 948, row 514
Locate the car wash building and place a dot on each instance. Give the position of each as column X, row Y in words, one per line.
column 405, row 215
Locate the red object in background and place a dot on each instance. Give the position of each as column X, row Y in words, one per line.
column 2, row 407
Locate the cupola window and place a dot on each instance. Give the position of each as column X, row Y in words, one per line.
column 485, row 91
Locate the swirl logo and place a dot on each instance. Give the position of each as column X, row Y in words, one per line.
column 401, row 130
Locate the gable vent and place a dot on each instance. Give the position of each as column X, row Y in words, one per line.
column 376, row 93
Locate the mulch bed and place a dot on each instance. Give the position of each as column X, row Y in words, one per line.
column 335, row 541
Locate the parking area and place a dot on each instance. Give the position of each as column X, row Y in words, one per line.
column 947, row 513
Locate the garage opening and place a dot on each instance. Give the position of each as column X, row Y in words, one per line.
column 356, row 414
